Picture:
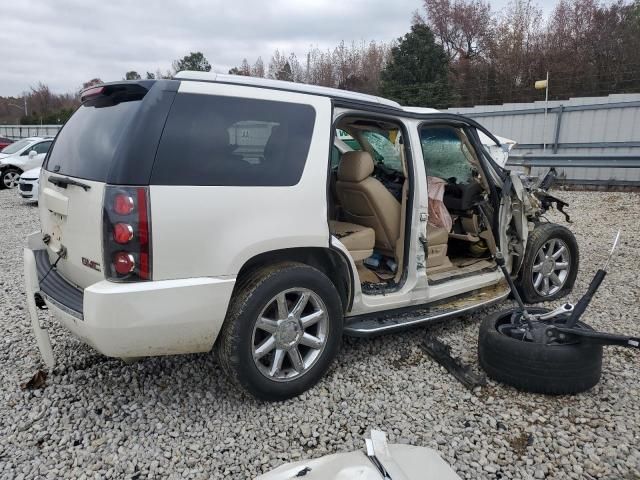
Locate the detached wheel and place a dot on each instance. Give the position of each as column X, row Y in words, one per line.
column 10, row 178
column 533, row 367
column 550, row 264
column 282, row 331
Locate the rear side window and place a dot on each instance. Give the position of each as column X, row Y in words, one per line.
column 230, row 141
column 86, row 145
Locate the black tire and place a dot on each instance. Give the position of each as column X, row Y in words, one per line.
column 534, row 367
column 4, row 174
column 235, row 346
column 539, row 237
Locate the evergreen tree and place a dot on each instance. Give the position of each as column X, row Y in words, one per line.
column 417, row 73
column 195, row 61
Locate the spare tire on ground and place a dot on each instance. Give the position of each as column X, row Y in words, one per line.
column 535, row 367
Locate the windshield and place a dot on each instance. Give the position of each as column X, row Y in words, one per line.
column 16, row 147
column 386, row 151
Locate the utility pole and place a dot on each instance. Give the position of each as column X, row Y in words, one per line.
column 539, row 85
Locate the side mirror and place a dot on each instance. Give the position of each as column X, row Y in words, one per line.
column 33, row 154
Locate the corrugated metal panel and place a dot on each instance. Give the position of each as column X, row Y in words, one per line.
column 614, row 119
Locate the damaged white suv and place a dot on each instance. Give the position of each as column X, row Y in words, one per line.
column 227, row 213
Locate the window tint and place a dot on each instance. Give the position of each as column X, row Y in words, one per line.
column 42, row 147
column 86, row 145
column 445, row 155
column 212, row 140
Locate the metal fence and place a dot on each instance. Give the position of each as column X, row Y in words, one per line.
column 603, row 130
column 614, row 164
column 15, row 132
column 590, row 140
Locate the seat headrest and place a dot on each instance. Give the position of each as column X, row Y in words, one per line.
column 355, row 166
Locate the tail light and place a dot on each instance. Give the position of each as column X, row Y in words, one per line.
column 127, row 233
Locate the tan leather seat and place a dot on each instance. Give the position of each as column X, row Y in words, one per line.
column 357, row 239
column 437, row 240
column 366, row 201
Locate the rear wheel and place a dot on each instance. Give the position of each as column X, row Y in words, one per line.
column 282, row 331
column 536, row 367
column 550, row 264
column 10, row 178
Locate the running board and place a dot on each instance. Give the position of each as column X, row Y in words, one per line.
column 378, row 323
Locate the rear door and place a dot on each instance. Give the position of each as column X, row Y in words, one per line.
column 95, row 140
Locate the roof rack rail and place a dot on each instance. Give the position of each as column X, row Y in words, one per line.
column 283, row 85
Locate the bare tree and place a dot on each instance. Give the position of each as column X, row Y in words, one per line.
column 258, row 68
column 462, row 27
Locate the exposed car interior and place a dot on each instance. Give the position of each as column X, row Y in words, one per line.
column 369, row 192
column 458, row 205
column 368, row 199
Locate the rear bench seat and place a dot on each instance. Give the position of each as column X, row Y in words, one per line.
column 358, row 239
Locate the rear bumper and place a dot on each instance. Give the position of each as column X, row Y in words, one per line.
column 128, row 319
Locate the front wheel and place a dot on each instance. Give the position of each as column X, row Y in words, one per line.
column 282, row 331
column 10, row 178
column 550, row 264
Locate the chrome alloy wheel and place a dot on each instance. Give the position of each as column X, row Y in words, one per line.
column 551, row 267
column 290, row 334
column 11, row 179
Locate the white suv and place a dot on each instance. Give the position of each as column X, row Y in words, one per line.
column 224, row 211
column 18, row 157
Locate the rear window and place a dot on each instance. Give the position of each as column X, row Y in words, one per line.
column 86, row 145
column 229, row 141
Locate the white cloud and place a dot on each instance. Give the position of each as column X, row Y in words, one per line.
column 64, row 43
column 67, row 42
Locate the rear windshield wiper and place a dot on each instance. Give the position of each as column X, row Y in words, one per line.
column 63, row 182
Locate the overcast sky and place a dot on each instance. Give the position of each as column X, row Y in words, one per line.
column 64, row 43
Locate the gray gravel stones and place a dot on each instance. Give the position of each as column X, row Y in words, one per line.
column 178, row 417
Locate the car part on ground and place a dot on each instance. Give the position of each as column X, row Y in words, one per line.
column 546, row 351
column 536, row 367
column 379, row 460
column 441, row 353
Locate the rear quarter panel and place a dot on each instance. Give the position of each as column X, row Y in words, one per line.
column 212, row 230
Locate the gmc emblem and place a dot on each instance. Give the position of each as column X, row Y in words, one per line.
column 91, row 264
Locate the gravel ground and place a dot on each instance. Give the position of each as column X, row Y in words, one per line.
column 178, row 417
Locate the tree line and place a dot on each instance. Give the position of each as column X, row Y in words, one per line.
column 464, row 53
column 458, row 53
column 44, row 107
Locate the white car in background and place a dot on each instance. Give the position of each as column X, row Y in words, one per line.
column 28, row 185
column 21, row 156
